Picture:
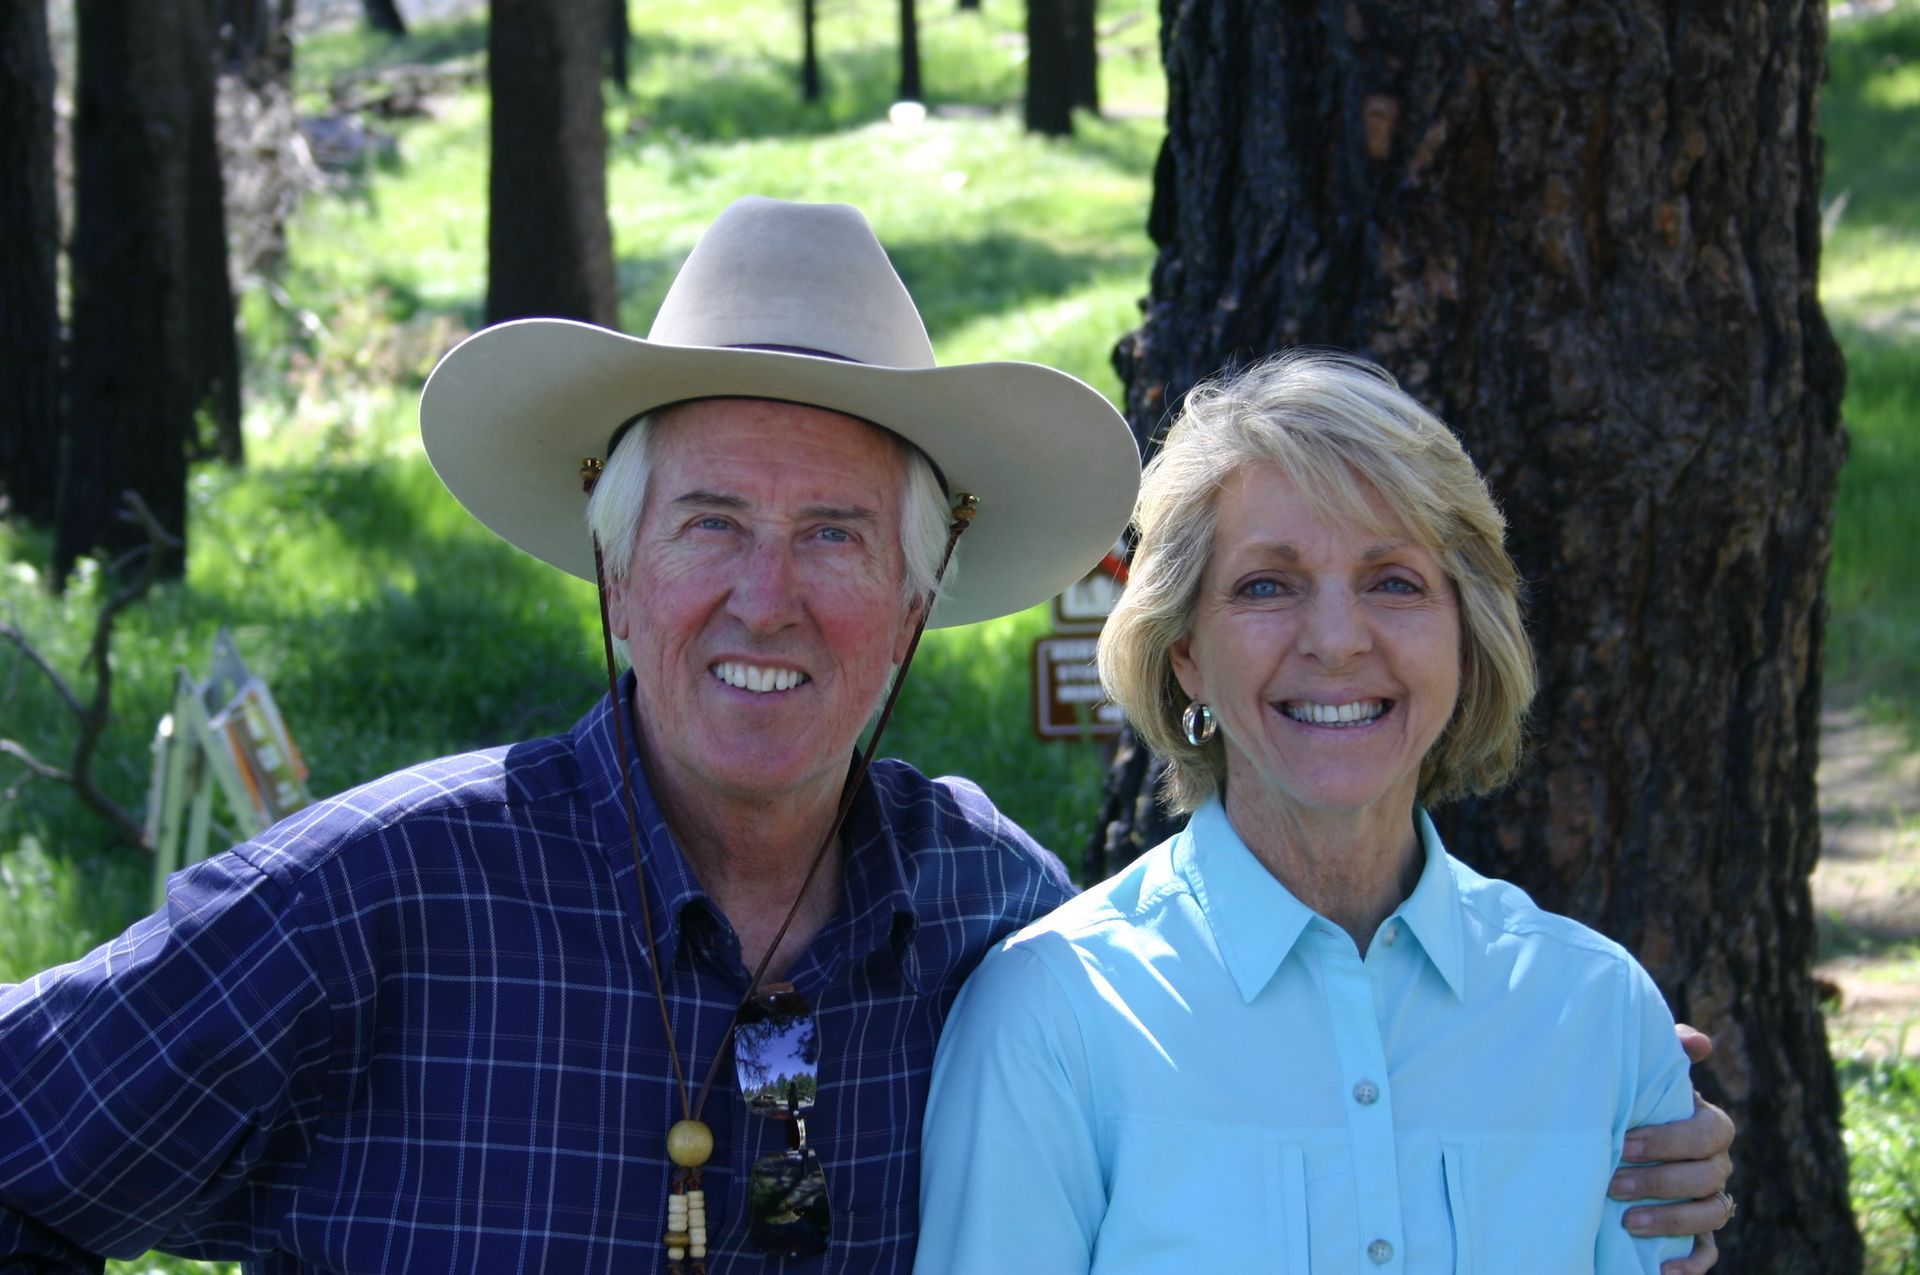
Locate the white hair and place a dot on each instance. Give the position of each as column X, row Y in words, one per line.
column 620, row 496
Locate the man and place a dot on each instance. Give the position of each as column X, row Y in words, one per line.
column 501, row 1011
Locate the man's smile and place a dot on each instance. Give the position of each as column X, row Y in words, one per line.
column 761, row 679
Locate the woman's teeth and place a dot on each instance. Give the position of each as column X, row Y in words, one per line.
column 1358, row 713
column 753, row 677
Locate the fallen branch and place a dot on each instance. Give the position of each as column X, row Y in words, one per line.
column 94, row 714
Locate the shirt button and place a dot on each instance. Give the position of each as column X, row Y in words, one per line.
column 1380, row 1252
column 1393, row 934
column 1366, row 1093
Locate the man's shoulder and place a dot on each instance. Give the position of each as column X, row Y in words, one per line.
column 472, row 791
column 951, row 835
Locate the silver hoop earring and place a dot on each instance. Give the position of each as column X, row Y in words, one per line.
column 1199, row 723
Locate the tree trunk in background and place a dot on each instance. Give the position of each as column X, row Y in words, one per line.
column 619, row 42
column 1587, row 234
column 262, row 170
column 550, row 250
column 384, row 15
column 1083, row 54
column 910, row 87
column 130, row 392
column 213, row 374
column 809, row 52
column 969, row 5
column 29, row 300
column 1049, row 105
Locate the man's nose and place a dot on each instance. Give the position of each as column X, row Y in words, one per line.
column 766, row 591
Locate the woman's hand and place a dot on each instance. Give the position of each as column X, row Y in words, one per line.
column 1692, row 1167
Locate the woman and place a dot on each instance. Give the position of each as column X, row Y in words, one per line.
column 1299, row 1036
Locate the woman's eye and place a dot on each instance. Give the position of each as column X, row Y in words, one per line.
column 1261, row 589
column 1397, row 584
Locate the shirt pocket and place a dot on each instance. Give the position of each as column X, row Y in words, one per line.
column 1199, row 1195
column 1526, row 1201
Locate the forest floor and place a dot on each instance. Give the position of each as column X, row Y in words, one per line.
column 1867, row 887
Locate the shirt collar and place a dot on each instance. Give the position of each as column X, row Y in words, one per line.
column 876, row 908
column 1256, row 921
column 1432, row 911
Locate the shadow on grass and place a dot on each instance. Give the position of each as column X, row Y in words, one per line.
column 1871, row 128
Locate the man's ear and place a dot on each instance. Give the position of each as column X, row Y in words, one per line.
column 1185, row 671
column 617, row 608
column 909, row 620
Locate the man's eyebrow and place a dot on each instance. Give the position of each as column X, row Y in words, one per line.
column 840, row 513
column 700, row 499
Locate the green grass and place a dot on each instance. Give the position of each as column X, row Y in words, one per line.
column 1883, row 1149
column 393, row 628
column 1870, row 286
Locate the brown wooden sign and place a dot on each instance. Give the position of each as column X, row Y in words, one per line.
column 1068, row 702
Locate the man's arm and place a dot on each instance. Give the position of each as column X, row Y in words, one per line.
column 143, row 1086
column 1693, row 1168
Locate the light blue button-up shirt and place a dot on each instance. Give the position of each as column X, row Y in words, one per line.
column 1186, row 1069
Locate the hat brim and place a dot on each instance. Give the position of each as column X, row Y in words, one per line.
column 510, row 412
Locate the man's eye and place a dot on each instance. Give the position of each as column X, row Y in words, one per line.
column 838, row 535
column 713, row 522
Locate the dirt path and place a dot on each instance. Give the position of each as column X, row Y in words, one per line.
column 1867, row 887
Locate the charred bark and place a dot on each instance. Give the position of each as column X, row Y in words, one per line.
column 29, row 299
column 1049, row 104
column 131, row 394
column 550, row 249
column 619, row 42
column 809, row 52
column 214, row 372
column 1083, row 55
column 911, row 89
column 1588, row 235
column 384, row 15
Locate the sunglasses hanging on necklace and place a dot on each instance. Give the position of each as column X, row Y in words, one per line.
column 772, row 1027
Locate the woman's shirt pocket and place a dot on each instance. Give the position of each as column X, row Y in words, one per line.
column 1202, row 1195
column 1526, row 1201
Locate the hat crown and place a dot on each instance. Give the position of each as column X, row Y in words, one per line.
column 801, row 277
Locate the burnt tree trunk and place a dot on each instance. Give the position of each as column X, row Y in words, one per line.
column 1049, row 104
column 1083, row 54
column 1587, row 234
column 384, row 15
column 809, row 51
column 549, row 247
column 910, row 87
column 619, row 42
column 261, row 173
column 130, row 399
column 29, row 299
column 214, row 371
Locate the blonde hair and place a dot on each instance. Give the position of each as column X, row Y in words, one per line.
column 1345, row 432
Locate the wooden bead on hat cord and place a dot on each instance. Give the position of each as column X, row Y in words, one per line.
column 690, row 1141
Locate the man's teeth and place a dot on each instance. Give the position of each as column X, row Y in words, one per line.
column 753, row 677
column 1357, row 713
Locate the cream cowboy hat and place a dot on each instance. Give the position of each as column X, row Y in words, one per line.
column 794, row 302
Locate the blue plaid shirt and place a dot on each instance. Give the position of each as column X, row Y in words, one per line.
column 411, row 1029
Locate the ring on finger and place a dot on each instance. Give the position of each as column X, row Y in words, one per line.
column 1726, row 1202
